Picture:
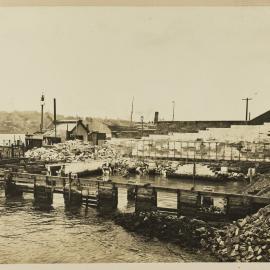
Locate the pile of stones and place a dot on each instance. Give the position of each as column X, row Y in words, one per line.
column 246, row 240
column 70, row 151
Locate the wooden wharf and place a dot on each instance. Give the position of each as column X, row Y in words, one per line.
column 104, row 195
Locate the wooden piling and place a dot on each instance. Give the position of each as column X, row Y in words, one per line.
column 72, row 196
column 145, row 199
column 43, row 193
column 131, row 193
column 11, row 189
column 107, row 198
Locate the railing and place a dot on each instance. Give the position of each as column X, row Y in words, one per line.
column 11, row 151
column 175, row 149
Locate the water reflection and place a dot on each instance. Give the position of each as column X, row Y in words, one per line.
column 31, row 234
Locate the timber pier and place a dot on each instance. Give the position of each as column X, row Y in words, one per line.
column 103, row 195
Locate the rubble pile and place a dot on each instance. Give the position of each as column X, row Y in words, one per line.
column 182, row 230
column 70, row 151
column 259, row 186
column 246, row 240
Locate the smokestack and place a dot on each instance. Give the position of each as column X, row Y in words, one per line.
column 42, row 103
column 54, row 115
column 156, row 118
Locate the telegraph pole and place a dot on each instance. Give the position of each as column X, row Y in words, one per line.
column 131, row 115
column 142, row 124
column 42, row 103
column 173, row 110
column 247, row 100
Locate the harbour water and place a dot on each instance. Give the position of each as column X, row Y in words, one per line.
column 31, row 235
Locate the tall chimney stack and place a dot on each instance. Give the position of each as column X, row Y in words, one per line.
column 156, row 118
column 54, row 115
column 42, row 103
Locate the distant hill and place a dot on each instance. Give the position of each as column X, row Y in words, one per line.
column 29, row 121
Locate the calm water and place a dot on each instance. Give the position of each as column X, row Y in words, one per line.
column 29, row 235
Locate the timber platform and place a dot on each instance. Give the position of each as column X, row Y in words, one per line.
column 103, row 195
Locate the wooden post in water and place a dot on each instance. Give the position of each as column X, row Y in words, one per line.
column 145, row 199
column 107, row 198
column 131, row 193
column 43, row 193
column 11, row 189
column 72, row 197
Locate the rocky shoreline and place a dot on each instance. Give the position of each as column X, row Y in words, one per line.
column 244, row 240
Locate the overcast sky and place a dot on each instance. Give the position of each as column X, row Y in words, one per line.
column 93, row 60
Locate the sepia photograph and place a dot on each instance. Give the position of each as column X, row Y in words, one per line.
column 134, row 133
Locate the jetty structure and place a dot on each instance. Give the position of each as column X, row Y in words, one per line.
column 104, row 195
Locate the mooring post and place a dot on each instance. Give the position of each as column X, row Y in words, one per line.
column 11, row 189
column 43, row 194
column 107, row 198
column 131, row 193
column 145, row 199
column 72, row 197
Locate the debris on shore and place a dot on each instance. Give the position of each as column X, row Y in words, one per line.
column 260, row 186
column 244, row 240
column 182, row 230
column 70, row 151
column 79, row 151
